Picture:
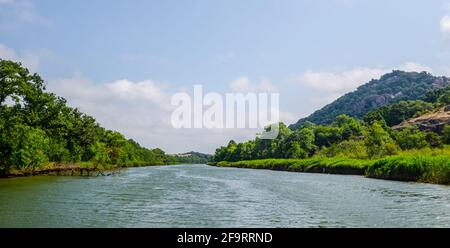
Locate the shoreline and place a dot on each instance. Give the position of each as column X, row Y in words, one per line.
column 314, row 165
column 421, row 169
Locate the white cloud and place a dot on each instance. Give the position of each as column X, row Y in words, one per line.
column 337, row 82
column 445, row 26
column 225, row 57
column 243, row 84
column 411, row 67
column 344, row 81
column 22, row 11
column 142, row 110
column 27, row 58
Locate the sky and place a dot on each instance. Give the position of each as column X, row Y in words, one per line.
column 121, row 61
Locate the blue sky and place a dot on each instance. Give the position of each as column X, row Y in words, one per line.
column 310, row 51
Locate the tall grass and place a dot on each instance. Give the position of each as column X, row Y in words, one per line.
column 424, row 165
column 316, row 165
column 419, row 168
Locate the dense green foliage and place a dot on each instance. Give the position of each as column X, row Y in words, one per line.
column 391, row 88
column 440, row 97
column 37, row 127
column 346, row 137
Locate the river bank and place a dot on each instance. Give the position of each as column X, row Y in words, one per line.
column 71, row 169
column 422, row 168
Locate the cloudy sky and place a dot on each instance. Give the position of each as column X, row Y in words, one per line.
column 121, row 61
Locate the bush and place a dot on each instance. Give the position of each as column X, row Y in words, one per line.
column 379, row 143
column 350, row 149
column 411, row 138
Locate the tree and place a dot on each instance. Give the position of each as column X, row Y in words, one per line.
column 296, row 151
column 411, row 138
column 327, row 135
column 298, row 144
column 231, row 154
column 349, row 127
column 219, row 154
column 28, row 146
column 247, row 150
column 378, row 142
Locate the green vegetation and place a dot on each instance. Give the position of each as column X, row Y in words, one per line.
column 358, row 146
column 38, row 130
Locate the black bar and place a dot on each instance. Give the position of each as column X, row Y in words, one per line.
column 261, row 237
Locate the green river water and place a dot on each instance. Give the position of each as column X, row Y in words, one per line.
column 205, row 196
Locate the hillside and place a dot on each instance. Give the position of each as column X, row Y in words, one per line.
column 390, row 88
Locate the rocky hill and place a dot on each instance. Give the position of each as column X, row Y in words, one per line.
column 391, row 88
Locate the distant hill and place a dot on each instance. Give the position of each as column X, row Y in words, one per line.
column 391, row 88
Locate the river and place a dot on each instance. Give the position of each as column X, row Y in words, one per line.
column 205, row 196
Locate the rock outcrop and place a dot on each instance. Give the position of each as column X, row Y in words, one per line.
column 434, row 121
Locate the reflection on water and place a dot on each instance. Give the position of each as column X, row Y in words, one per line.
column 203, row 196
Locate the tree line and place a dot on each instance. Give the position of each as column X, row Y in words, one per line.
column 37, row 126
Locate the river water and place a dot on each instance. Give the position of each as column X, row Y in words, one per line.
column 204, row 196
